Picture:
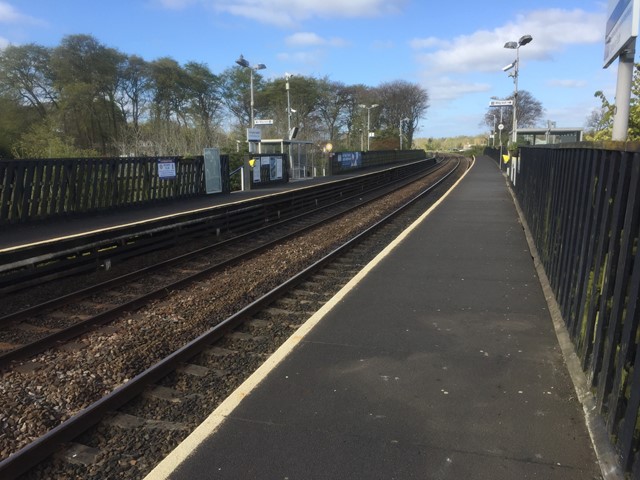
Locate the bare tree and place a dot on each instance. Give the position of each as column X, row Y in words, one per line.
column 404, row 104
column 333, row 106
column 529, row 112
column 25, row 72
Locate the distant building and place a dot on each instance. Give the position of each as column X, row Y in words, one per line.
column 548, row 136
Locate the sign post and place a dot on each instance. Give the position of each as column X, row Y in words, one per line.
column 620, row 42
column 500, row 104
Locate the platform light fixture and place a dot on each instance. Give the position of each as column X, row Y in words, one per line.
column 253, row 68
column 368, row 122
column 525, row 39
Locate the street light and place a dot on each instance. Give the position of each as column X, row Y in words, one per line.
column 287, row 76
column 402, row 120
column 516, row 66
column 368, row 123
column 493, row 133
column 260, row 66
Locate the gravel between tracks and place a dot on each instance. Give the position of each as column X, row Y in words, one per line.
column 39, row 394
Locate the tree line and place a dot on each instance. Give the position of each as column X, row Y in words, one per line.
column 83, row 98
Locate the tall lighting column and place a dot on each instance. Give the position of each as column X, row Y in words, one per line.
column 253, row 68
column 287, row 76
column 516, row 45
column 368, row 123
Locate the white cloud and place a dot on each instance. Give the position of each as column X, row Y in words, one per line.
column 176, row 4
column 8, row 14
column 483, row 51
column 420, row 43
column 446, row 89
column 289, row 13
column 4, row 43
column 567, row 83
column 383, row 45
column 553, row 30
column 311, row 58
column 306, row 39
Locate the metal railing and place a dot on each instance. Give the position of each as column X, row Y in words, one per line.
column 39, row 189
column 582, row 206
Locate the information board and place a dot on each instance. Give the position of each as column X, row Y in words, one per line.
column 212, row 170
column 166, row 169
column 622, row 27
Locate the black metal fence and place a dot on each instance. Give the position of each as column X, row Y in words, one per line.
column 363, row 160
column 582, row 206
column 38, row 189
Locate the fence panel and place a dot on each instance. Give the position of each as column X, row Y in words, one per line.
column 583, row 209
column 38, row 189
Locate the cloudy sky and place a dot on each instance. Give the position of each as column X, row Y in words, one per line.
column 454, row 49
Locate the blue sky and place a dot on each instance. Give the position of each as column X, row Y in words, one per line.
column 454, row 49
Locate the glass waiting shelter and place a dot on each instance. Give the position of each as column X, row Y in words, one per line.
column 548, row 136
column 298, row 152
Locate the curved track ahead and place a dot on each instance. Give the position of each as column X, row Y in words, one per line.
column 305, row 299
column 45, row 325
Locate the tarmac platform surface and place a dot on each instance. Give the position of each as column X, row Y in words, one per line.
column 438, row 361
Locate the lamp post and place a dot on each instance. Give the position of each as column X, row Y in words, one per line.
column 516, row 65
column 402, row 120
column 260, row 66
column 493, row 133
column 368, row 123
column 287, row 76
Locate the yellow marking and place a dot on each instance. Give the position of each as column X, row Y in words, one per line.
column 165, row 468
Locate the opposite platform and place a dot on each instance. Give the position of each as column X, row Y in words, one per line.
column 19, row 234
column 438, row 361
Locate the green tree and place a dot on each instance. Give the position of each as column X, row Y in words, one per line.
column 25, row 74
column 600, row 121
column 86, row 76
column 44, row 140
column 355, row 121
column 14, row 121
column 203, row 89
column 333, row 107
column 235, row 89
column 403, row 104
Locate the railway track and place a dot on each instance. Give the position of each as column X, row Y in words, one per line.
column 43, row 262
column 164, row 402
column 32, row 330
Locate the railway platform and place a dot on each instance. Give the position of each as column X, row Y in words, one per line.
column 438, row 361
column 50, row 230
column 83, row 225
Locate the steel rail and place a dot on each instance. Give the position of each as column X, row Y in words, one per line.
column 87, row 249
column 31, row 454
column 109, row 315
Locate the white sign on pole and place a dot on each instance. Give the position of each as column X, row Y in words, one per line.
column 263, row 122
column 254, row 134
column 622, row 27
column 500, row 103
